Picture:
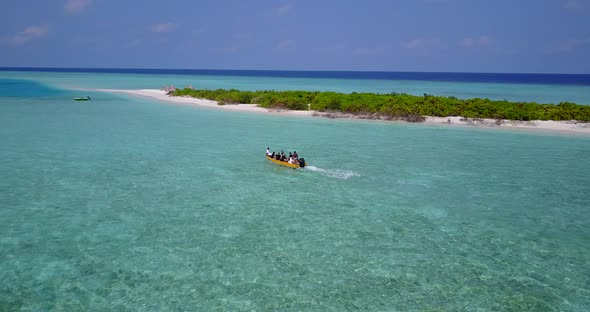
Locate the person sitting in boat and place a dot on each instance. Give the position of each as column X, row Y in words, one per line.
column 268, row 151
column 291, row 160
column 295, row 155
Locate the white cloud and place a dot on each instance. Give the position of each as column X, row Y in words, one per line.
column 30, row 33
column 367, row 51
column 286, row 44
column 133, row 43
column 163, row 27
column 484, row 40
column 467, row 42
column 568, row 45
column 421, row 43
column 330, row 49
column 481, row 42
column 361, row 51
column 199, row 30
column 420, row 46
column 283, row 10
column 36, row 31
column 76, row 6
column 576, row 4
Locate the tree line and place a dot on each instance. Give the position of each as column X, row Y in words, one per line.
column 395, row 105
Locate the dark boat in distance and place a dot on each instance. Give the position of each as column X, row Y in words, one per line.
column 83, row 98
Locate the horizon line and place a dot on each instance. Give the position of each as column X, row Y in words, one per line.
column 280, row 70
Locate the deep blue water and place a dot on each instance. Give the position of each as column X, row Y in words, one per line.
column 561, row 79
column 30, row 88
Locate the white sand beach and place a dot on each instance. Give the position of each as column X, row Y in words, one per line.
column 161, row 95
column 543, row 125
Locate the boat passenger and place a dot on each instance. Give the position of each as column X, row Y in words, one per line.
column 291, row 161
column 295, row 155
column 267, row 151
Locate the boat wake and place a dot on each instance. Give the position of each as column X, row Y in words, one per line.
column 334, row 173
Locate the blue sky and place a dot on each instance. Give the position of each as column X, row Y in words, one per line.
column 538, row 36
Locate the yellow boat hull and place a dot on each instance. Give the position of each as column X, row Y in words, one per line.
column 283, row 163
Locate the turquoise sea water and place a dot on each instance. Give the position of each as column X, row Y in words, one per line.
column 127, row 204
column 540, row 93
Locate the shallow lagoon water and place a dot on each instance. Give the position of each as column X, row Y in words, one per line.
column 124, row 203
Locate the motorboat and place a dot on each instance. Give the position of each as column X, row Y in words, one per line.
column 301, row 163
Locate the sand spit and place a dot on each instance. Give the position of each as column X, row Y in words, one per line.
column 546, row 125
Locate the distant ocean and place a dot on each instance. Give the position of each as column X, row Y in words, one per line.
column 540, row 88
column 560, row 79
column 127, row 203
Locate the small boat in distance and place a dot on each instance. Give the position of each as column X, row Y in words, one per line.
column 83, row 98
column 301, row 163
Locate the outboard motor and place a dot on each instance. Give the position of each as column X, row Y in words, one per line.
column 301, row 162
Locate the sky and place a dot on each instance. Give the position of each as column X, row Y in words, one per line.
column 524, row 36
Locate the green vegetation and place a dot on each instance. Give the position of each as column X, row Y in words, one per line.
column 395, row 105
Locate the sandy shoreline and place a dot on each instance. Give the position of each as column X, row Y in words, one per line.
column 546, row 125
column 162, row 96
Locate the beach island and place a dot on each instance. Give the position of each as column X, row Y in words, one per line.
column 564, row 117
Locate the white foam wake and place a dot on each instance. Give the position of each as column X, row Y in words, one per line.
column 334, row 173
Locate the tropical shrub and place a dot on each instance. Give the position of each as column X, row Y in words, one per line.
column 395, row 105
